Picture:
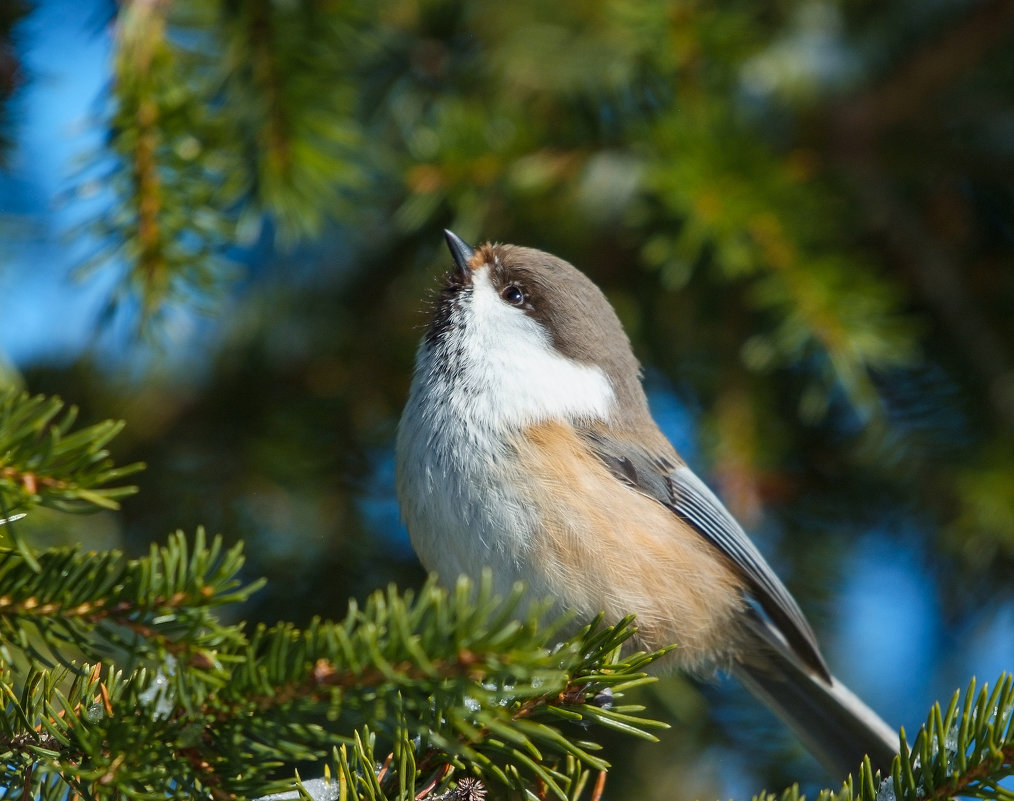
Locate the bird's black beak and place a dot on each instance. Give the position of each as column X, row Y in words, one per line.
column 461, row 252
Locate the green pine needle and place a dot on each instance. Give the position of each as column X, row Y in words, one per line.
column 43, row 462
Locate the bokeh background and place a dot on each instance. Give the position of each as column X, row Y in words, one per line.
column 221, row 221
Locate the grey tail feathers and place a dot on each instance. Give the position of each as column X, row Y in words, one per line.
column 837, row 728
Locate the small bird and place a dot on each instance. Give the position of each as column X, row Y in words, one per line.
column 527, row 446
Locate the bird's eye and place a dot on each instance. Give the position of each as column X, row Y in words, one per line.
column 513, row 295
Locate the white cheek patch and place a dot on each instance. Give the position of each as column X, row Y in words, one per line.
column 492, row 371
column 490, row 374
column 512, row 375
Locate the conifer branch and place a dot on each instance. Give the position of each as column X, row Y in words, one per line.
column 966, row 751
column 104, row 604
column 290, row 101
column 171, row 217
column 44, row 462
column 447, row 682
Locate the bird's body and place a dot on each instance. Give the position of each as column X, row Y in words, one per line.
column 527, row 447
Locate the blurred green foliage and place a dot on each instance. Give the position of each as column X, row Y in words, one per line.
column 803, row 211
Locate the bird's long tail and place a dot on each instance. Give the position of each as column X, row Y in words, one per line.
column 831, row 721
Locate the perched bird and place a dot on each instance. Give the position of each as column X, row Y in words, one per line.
column 527, row 446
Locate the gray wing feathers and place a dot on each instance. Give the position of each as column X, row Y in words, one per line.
column 700, row 507
column 677, row 487
column 793, row 678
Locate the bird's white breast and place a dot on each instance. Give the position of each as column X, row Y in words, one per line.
column 492, row 373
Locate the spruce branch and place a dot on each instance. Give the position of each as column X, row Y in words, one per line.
column 456, row 673
column 220, row 116
column 171, row 217
column 745, row 209
column 449, row 683
column 104, row 604
column 964, row 752
column 44, row 462
column 289, row 90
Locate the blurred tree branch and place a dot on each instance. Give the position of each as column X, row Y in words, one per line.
column 11, row 73
column 930, row 68
column 859, row 123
